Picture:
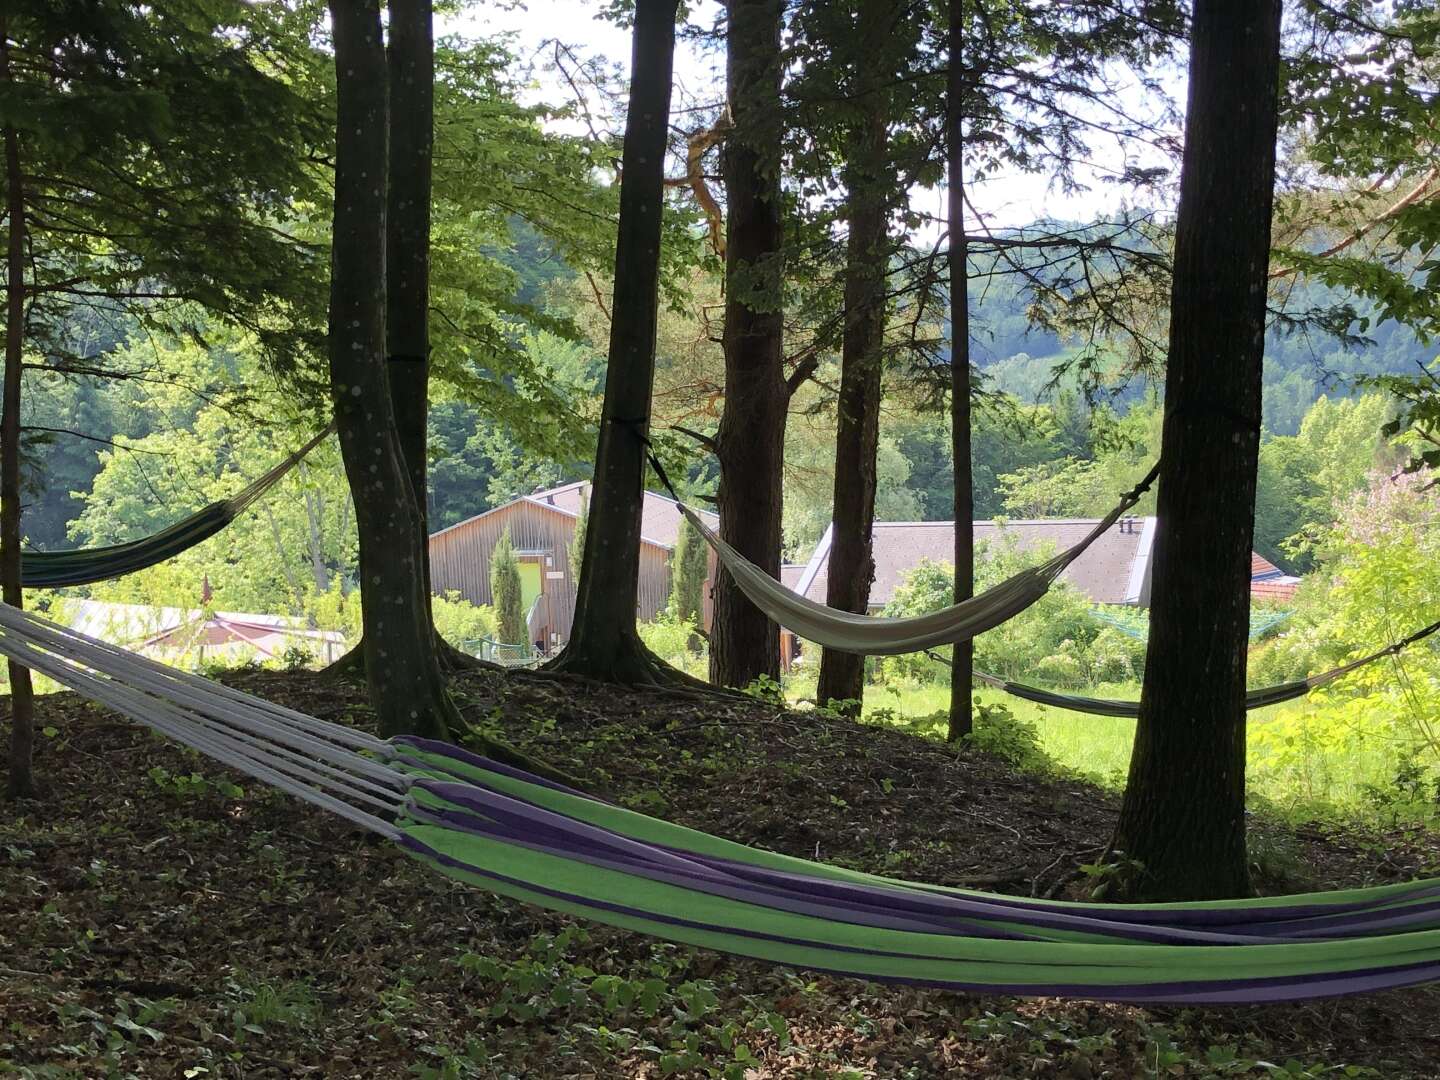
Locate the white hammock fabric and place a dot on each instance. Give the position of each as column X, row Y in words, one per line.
column 871, row 635
column 336, row 768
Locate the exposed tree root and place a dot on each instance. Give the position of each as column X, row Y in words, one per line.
column 452, row 661
column 625, row 660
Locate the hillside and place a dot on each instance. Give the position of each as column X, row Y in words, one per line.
column 164, row 920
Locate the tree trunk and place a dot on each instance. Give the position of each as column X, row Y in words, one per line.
column 604, row 642
column 962, row 660
column 750, row 444
column 1183, row 812
column 410, row 62
column 401, row 667
column 21, row 781
column 411, row 66
column 851, row 568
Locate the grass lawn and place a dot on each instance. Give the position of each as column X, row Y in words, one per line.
column 1302, row 758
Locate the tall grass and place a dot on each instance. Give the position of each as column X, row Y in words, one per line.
column 1316, row 756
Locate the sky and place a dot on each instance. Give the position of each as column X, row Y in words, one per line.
column 1004, row 201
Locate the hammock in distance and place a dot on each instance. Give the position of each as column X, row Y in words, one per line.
column 871, row 635
column 518, row 835
column 1254, row 699
column 84, row 566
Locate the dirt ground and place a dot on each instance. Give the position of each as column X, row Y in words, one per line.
column 161, row 917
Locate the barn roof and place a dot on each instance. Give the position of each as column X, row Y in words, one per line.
column 1113, row 570
column 659, row 523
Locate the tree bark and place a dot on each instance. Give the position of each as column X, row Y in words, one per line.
column 1184, row 806
column 750, row 443
column 21, row 780
column 410, row 65
column 401, row 666
column 604, row 642
column 410, row 60
column 962, row 660
column 851, row 567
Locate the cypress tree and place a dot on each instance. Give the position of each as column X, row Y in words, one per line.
column 505, row 591
column 689, row 564
column 577, row 542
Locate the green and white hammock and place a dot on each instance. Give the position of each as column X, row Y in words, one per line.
column 505, row 831
column 83, row 566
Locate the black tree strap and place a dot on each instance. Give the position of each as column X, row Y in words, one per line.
column 1419, row 635
column 1134, row 494
column 637, row 428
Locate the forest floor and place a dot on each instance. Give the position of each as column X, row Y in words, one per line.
column 156, row 920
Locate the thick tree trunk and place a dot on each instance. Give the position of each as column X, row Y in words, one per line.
column 1183, row 812
column 21, row 780
column 750, row 445
column 410, row 62
column 851, row 568
column 401, row 666
column 604, row 643
column 962, row 661
column 411, row 66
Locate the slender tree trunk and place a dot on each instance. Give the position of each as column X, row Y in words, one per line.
column 21, row 782
column 401, row 667
column 1183, row 812
column 750, row 445
column 962, row 662
column 604, row 642
column 851, row 568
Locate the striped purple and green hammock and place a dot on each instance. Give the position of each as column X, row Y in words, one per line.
column 524, row 837
column 511, row 833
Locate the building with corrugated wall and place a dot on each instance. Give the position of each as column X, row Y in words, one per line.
column 542, row 527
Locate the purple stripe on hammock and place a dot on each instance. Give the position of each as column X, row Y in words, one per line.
column 459, row 753
column 523, row 823
column 1174, row 918
column 852, row 914
column 1265, row 989
column 852, row 906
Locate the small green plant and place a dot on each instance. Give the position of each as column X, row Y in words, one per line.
column 997, row 730
column 1114, row 874
column 766, row 689
column 256, row 1003
column 297, row 658
column 191, row 785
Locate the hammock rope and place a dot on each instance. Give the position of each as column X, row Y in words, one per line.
column 501, row 829
column 871, row 635
column 85, row 566
column 1254, row 699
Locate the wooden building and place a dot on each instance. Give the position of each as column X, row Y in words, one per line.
column 542, row 527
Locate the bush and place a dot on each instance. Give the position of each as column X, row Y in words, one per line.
column 999, row 731
column 462, row 623
column 671, row 639
column 1056, row 642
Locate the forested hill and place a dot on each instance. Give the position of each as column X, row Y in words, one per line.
column 1300, row 365
column 480, row 462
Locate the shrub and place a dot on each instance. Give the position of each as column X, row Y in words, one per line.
column 462, row 623
column 671, row 640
